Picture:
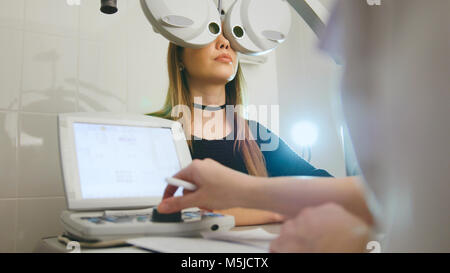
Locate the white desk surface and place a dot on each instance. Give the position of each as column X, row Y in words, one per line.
column 52, row 245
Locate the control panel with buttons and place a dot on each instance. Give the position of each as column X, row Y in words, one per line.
column 96, row 226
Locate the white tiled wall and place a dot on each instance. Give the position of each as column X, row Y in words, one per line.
column 58, row 58
column 308, row 82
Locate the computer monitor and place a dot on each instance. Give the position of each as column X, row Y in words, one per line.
column 118, row 161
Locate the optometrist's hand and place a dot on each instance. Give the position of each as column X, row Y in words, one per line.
column 326, row 228
column 218, row 187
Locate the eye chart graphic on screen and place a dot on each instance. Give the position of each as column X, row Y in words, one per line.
column 116, row 161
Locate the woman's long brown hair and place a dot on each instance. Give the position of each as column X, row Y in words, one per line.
column 178, row 94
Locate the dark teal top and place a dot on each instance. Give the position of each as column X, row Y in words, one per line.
column 281, row 161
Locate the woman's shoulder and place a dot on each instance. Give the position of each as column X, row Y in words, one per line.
column 266, row 138
column 256, row 126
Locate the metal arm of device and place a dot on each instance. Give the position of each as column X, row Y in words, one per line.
column 312, row 12
column 219, row 5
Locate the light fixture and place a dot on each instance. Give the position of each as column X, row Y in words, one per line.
column 304, row 134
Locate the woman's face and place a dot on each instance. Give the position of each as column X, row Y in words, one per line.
column 216, row 62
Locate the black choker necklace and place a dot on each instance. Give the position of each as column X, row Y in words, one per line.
column 209, row 108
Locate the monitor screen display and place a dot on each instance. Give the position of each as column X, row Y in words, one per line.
column 116, row 161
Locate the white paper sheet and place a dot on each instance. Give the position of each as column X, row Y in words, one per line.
column 254, row 237
column 191, row 245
